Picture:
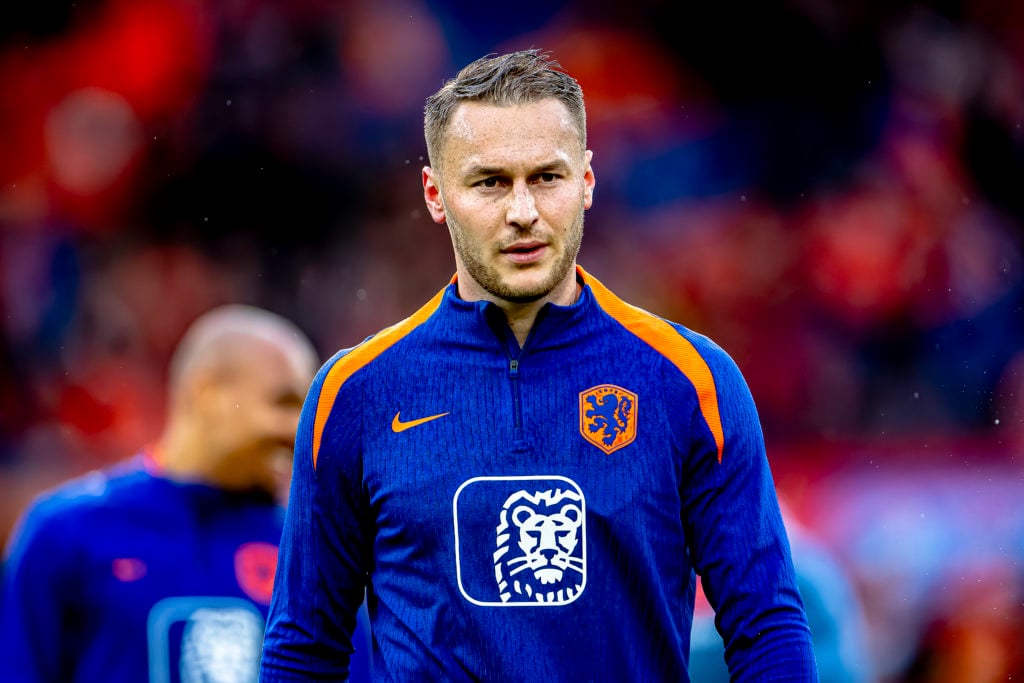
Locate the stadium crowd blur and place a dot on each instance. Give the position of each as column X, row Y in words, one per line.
column 833, row 191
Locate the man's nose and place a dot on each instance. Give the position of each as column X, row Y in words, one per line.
column 522, row 209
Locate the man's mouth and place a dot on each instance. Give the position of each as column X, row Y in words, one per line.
column 525, row 252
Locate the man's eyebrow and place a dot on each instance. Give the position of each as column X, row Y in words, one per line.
column 553, row 165
column 478, row 170
column 482, row 170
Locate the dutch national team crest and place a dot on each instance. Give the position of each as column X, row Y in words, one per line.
column 255, row 566
column 608, row 417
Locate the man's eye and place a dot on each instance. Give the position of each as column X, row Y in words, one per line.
column 489, row 182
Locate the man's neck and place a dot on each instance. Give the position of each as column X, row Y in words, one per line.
column 181, row 455
column 521, row 316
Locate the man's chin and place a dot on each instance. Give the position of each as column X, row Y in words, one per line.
column 524, row 287
column 524, row 296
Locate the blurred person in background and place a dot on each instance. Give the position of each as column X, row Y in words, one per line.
column 527, row 474
column 835, row 614
column 161, row 567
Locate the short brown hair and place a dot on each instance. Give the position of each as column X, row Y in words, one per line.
column 505, row 80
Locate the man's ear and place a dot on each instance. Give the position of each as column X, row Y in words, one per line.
column 432, row 195
column 589, row 181
column 203, row 393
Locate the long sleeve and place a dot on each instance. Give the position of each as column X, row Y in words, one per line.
column 34, row 642
column 322, row 566
column 738, row 541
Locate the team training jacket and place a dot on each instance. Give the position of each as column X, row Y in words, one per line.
column 532, row 514
column 125, row 576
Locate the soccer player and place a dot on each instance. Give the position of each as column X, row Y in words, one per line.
column 161, row 568
column 527, row 474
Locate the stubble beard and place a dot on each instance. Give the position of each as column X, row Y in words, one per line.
column 491, row 280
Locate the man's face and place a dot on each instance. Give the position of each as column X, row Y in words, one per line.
column 253, row 425
column 512, row 185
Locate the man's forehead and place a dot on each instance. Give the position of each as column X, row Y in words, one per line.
column 489, row 135
column 459, row 126
column 471, row 120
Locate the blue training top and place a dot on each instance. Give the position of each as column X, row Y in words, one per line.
column 535, row 513
column 124, row 576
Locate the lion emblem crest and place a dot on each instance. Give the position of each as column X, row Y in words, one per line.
column 608, row 417
column 539, row 556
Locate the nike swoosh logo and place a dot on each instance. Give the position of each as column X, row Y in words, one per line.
column 398, row 426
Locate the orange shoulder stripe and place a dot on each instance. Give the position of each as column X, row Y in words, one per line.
column 359, row 357
column 664, row 339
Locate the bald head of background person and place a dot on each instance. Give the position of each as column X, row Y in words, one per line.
column 235, row 389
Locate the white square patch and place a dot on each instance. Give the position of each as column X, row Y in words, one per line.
column 520, row 541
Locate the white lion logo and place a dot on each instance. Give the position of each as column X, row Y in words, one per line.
column 221, row 646
column 549, row 568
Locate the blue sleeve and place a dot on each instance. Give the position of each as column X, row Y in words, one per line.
column 37, row 578
column 834, row 614
column 323, row 561
column 738, row 542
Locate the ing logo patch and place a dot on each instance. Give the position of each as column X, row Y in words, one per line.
column 520, row 541
column 608, row 416
column 204, row 638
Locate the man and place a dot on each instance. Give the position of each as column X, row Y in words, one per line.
column 161, row 568
column 526, row 473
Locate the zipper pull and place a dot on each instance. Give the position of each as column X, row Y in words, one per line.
column 513, row 367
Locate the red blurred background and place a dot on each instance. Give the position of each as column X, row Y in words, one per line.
column 833, row 191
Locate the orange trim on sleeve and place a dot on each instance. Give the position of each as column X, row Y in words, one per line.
column 667, row 341
column 359, row 357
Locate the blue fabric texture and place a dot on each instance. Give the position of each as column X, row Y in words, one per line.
column 534, row 513
column 124, row 576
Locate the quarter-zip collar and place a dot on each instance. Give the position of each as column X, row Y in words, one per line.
column 479, row 322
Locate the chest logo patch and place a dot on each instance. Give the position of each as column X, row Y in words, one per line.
column 608, row 417
column 204, row 638
column 520, row 541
